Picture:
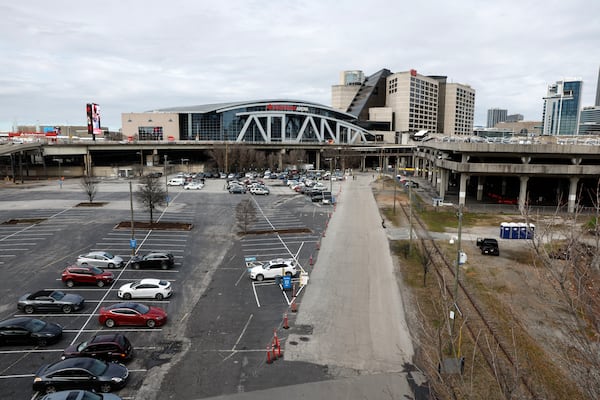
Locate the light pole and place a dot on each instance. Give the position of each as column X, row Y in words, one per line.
column 141, row 153
column 330, row 174
column 166, row 181
column 133, row 244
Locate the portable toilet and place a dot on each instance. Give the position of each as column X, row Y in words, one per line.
column 530, row 231
column 514, row 230
column 505, row 230
column 522, row 230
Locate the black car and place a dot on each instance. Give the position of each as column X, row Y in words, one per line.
column 108, row 347
column 50, row 300
column 25, row 330
column 488, row 246
column 80, row 373
column 157, row 259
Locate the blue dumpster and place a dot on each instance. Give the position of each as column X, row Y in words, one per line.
column 287, row 282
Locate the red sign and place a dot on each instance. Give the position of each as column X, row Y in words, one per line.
column 280, row 107
column 413, row 72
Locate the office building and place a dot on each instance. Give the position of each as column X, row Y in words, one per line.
column 495, row 115
column 561, row 108
column 514, row 118
column 598, row 90
column 589, row 121
column 458, row 109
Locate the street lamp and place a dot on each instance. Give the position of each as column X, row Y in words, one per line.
column 330, row 174
column 166, row 180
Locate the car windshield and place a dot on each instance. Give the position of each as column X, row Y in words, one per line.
column 135, row 283
column 82, row 346
column 109, row 256
column 35, row 325
column 96, row 270
column 163, row 283
column 57, row 295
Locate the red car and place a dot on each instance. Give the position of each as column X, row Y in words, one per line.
column 132, row 314
column 86, row 275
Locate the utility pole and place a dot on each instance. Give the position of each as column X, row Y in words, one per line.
column 410, row 222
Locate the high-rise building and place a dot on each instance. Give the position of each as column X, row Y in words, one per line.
column 459, row 109
column 514, row 118
column 561, row 107
column 598, row 90
column 496, row 115
column 414, row 99
column 589, row 121
column 406, row 102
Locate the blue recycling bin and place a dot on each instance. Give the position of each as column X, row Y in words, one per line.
column 287, row 282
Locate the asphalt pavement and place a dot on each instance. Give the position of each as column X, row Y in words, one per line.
column 351, row 316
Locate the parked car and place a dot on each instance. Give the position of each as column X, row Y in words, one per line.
column 327, row 198
column 86, row 275
column 272, row 269
column 105, row 346
column 50, row 300
column 193, row 186
column 259, row 190
column 179, row 181
column 148, row 288
column 488, row 246
column 155, row 259
column 79, row 395
column 25, row 330
column 132, row 314
column 80, row 373
column 316, row 195
column 237, row 189
column 100, row 259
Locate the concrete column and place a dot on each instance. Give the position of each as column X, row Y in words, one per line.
column 572, row 194
column 523, row 192
column 87, row 163
column 480, row 183
column 503, row 187
column 443, row 182
column 317, row 160
column 363, row 163
column 280, row 160
column 462, row 189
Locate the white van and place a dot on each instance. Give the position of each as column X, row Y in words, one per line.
column 176, row 182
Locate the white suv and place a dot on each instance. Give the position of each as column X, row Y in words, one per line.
column 271, row 269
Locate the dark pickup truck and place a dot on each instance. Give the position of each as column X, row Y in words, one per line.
column 488, row 246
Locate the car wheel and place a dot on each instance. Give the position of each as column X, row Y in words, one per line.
column 109, row 323
column 50, row 389
column 259, row 277
column 29, row 309
column 111, row 265
column 159, row 296
column 67, row 309
column 127, row 296
column 136, row 266
column 151, row 323
column 105, row 387
column 42, row 342
column 70, row 283
column 164, row 265
column 100, row 283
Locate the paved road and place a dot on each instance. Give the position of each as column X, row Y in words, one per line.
column 351, row 316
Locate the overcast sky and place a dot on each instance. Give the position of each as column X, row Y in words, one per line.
column 139, row 55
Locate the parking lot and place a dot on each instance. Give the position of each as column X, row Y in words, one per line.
column 216, row 313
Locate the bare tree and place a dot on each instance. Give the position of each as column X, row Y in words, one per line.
column 245, row 213
column 90, row 186
column 151, row 193
column 218, row 154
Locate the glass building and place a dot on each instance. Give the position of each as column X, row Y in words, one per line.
column 561, row 108
column 266, row 121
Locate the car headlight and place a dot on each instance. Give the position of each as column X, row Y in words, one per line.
column 117, row 379
column 37, row 379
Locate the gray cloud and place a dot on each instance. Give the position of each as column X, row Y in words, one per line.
column 139, row 55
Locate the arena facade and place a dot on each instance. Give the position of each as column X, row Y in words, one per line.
column 262, row 121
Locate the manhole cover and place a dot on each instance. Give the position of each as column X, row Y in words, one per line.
column 293, row 342
column 304, row 339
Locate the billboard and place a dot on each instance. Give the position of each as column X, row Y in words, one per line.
column 93, row 119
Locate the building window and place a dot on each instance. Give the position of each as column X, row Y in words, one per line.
column 150, row 133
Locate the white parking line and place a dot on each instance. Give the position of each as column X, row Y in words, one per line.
column 121, row 329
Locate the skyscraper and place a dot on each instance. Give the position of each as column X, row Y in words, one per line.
column 561, row 107
column 598, row 90
column 496, row 115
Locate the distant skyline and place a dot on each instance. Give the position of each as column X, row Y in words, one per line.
column 139, row 55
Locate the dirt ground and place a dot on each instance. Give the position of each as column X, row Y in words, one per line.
column 517, row 283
